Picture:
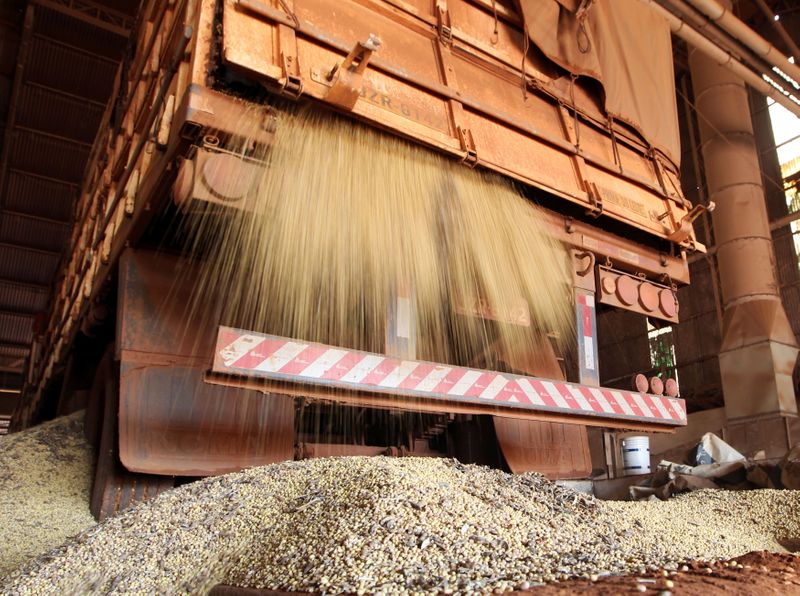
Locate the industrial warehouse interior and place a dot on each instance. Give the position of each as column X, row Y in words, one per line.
column 399, row 296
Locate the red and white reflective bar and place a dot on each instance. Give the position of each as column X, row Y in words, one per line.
column 250, row 354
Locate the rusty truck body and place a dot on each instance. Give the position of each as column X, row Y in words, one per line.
column 459, row 77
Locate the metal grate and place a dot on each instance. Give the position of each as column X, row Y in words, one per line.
column 59, row 72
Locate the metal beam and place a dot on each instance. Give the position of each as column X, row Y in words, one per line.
column 775, row 224
column 40, row 251
column 71, row 141
column 16, row 89
column 54, row 91
column 30, row 174
column 22, row 284
column 11, row 313
column 15, row 346
column 784, row 221
column 382, row 401
column 39, row 218
column 293, row 367
column 74, row 48
column 91, row 13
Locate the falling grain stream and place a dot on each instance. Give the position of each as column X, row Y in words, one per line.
column 345, row 219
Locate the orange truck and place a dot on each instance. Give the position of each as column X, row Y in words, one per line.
column 481, row 81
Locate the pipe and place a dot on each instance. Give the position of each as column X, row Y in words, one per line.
column 727, row 21
column 724, row 58
column 758, row 348
column 775, row 224
column 779, row 28
column 784, row 221
column 711, row 31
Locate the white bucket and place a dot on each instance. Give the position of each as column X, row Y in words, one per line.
column 636, row 455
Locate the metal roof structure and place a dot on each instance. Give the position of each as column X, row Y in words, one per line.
column 58, row 59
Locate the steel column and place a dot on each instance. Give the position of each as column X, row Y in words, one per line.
column 758, row 351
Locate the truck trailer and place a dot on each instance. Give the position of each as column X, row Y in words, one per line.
column 522, row 89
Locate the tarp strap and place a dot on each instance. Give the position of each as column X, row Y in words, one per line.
column 582, row 38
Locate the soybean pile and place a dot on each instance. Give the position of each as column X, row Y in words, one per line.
column 45, row 481
column 384, row 525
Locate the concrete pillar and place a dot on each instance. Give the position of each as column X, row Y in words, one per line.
column 758, row 351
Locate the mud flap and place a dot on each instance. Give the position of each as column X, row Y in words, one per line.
column 551, row 448
column 556, row 450
column 115, row 488
column 171, row 422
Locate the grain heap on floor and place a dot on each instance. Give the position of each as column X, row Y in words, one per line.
column 45, row 480
column 398, row 525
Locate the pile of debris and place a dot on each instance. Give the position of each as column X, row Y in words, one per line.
column 45, row 482
column 715, row 464
column 397, row 525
